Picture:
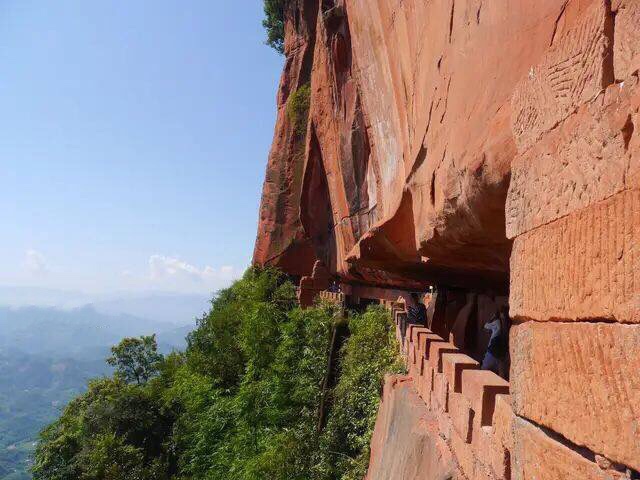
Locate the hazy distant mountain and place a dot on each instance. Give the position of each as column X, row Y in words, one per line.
column 80, row 331
column 179, row 309
column 42, row 297
column 48, row 354
column 176, row 308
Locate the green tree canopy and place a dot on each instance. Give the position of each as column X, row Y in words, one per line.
column 241, row 403
column 136, row 359
column 274, row 23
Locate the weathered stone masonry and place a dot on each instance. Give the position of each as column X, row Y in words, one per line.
column 470, row 412
column 490, row 149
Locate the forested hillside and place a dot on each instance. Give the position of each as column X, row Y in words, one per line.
column 33, row 391
column 242, row 402
column 47, row 356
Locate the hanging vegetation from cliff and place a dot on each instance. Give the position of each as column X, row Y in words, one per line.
column 274, row 23
column 241, row 403
column 298, row 109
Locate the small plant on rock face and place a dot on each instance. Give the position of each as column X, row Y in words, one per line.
column 298, row 109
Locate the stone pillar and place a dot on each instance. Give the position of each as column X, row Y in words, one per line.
column 310, row 287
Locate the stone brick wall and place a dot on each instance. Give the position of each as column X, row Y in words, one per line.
column 489, row 149
column 472, row 406
column 483, row 418
column 573, row 212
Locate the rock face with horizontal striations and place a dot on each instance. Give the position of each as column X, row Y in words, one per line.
column 489, row 149
column 405, row 443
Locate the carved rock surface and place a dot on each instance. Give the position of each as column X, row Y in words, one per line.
column 489, row 148
column 581, row 380
column 405, row 163
column 583, row 266
column 588, row 158
column 405, row 441
column 540, row 457
column 626, row 53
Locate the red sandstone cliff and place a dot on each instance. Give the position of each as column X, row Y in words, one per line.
column 486, row 147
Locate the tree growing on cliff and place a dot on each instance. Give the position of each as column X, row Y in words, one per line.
column 274, row 23
column 136, row 359
column 241, row 403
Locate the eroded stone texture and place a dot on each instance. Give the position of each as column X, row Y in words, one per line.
column 591, row 156
column 581, row 380
column 583, row 266
column 574, row 70
column 405, row 442
column 406, row 164
column 537, row 456
column 281, row 239
column 402, row 176
column 626, row 53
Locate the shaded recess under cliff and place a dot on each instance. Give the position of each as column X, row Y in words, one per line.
column 416, row 163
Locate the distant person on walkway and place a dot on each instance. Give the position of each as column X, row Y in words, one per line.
column 495, row 357
column 503, row 348
column 416, row 310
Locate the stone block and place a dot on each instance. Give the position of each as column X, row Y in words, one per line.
column 436, row 350
column 445, row 426
column 409, row 331
column 421, row 384
column 581, row 380
column 626, row 43
column 425, row 342
column 421, row 340
column 440, row 392
column 500, row 460
column 494, row 459
column 573, row 71
column 503, row 421
column 480, row 388
column 589, row 157
column 538, row 456
column 464, row 455
column 428, row 377
column 453, row 365
column 583, row 266
column 461, row 415
column 416, row 330
column 411, row 356
column 490, row 457
column 413, row 370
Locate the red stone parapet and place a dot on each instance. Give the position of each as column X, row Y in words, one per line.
column 472, row 406
column 335, row 298
column 311, row 287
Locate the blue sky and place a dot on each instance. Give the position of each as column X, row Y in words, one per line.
column 133, row 142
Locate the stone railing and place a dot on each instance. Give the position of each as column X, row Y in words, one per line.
column 472, row 406
column 337, row 298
